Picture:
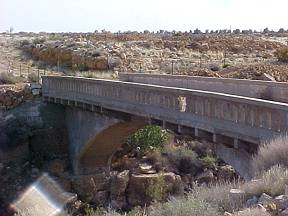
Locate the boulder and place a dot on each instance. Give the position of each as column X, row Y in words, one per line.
column 145, row 168
column 205, row 177
column 57, row 167
column 236, row 194
column 284, row 212
column 281, row 201
column 265, row 199
column 100, row 198
column 87, row 186
column 13, row 139
column 252, row 202
column 226, row 172
column 35, row 92
column 118, row 187
column 141, row 185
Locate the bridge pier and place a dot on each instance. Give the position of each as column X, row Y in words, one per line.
column 94, row 138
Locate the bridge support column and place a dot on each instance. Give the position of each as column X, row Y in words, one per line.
column 239, row 159
column 196, row 132
column 236, row 143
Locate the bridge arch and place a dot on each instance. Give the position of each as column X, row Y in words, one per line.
column 98, row 152
column 94, row 138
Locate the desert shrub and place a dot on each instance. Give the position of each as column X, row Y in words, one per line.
column 184, row 159
column 270, row 182
column 218, row 195
column 54, row 37
column 33, row 77
column 157, row 189
column 252, row 212
column 38, row 40
column 24, row 43
column 214, row 67
column 270, row 154
column 109, row 212
column 82, row 67
column 226, row 65
column 148, row 139
column 210, row 161
column 184, row 207
column 282, row 54
column 9, row 78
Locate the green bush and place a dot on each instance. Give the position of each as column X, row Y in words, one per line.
column 282, row 54
column 210, row 161
column 226, row 65
column 148, row 139
column 157, row 189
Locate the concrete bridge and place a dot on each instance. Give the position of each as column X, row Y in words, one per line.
column 101, row 114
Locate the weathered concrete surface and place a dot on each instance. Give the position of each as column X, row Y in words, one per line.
column 239, row 159
column 82, row 128
column 276, row 91
column 248, row 119
column 29, row 124
column 94, row 138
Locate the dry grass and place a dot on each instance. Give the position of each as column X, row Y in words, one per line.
column 97, row 75
column 184, row 207
column 272, row 153
column 271, row 182
column 9, row 78
column 33, row 77
column 282, row 54
column 218, row 195
column 252, row 212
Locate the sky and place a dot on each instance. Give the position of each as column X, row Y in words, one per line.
column 139, row 15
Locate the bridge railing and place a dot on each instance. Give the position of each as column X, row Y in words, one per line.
column 276, row 91
column 174, row 103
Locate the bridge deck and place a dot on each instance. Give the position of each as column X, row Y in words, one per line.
column 248, row 119
column 275, row 91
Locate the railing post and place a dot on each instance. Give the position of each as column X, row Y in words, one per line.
column 27, row 71
column 38, row 76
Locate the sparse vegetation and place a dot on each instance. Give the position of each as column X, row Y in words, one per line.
column 24, row 43
column 33, row 77
column 210, row 161
column 157, row 189
column 282, row 54
column 226, row 65
column 271, row 182
column 9, row 78
column 252, row 212
column 38, row 40
column 185, row 207
column 272, row 153
column 218, row 196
